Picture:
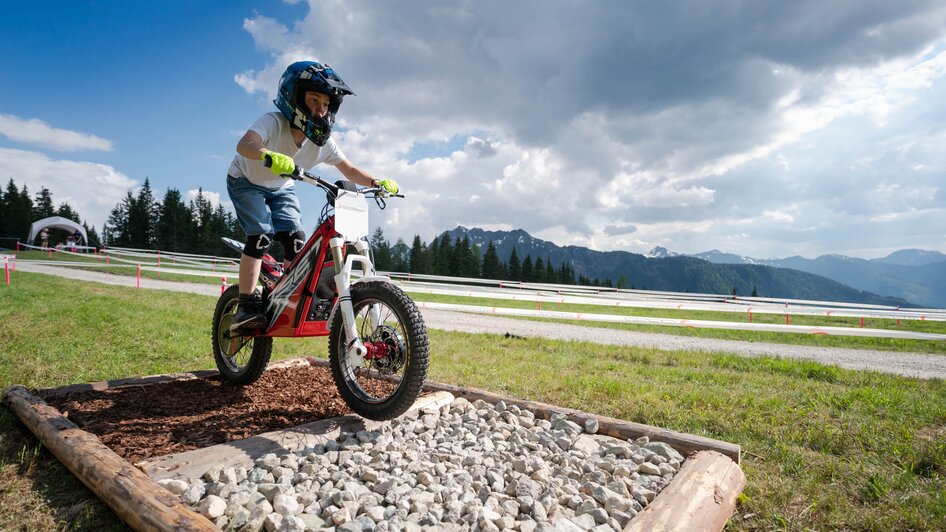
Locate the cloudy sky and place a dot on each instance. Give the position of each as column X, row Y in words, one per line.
column 761, row 128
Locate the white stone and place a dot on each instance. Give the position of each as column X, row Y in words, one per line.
column 177, row 487
column 212, row 507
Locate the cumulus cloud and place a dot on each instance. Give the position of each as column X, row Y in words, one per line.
column 682, row 120
column 617, row 230
column 40, row 134
column 69, row 181
column 481, row 148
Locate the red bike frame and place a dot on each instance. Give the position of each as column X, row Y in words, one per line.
column 290, row 300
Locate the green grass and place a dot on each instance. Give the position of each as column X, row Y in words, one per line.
column 824, row 448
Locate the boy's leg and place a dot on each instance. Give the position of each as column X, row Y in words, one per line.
column 250, row 314
column 287, row 220
column 249, row 202
column 249, row 273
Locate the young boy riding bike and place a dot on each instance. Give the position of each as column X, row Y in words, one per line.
column 266, row 205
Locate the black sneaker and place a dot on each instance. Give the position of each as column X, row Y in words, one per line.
column 249, row 314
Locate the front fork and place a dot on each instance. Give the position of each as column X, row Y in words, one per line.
column 354, row 346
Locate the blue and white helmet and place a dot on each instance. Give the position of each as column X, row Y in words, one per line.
column 304, row 76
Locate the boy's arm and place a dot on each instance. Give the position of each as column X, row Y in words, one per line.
column 356, row 175
column 251, row 146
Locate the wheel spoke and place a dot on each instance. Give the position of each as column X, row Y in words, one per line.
column 377, row 380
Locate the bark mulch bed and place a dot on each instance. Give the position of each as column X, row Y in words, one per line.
column 142, row 422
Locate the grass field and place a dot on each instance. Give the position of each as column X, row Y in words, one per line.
column 824, row 448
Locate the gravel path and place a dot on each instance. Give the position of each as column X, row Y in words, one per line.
column 466, row 466
column 920, row 365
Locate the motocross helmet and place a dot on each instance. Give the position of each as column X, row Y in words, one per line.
column 304, row 76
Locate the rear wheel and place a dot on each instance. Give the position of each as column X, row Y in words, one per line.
column 389, row 378
column 240, row 359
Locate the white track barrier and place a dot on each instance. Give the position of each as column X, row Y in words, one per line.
column 149, row 260
column 640, row 320
column 198, row 265
column 722, row 304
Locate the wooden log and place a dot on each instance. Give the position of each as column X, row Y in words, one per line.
column 701, row 496
column 609, row 426
column 135, row 498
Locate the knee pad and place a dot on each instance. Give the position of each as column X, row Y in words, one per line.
column 256, row 245
column 292, row 242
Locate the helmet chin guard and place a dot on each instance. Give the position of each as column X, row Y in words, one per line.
column 304, row 76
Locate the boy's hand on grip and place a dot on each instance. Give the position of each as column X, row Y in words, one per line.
column 278, row 162
column 389, row 185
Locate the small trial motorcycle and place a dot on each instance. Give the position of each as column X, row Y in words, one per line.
column 377, row 340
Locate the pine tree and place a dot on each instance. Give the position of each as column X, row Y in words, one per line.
column 550, row 275
column 142, row 218
column 527, row 268
column 458, row 259
column 201, row 214
column 43, row 206
column 400, row 255
column 474, row 260
column 94, row 239
column 755, row 293
column 444, row 255
column 538, row 271
column 418, row 258
column 622, row 281
column 565, row 274
column 116, row 231
column 469, row 259
column 174, row 231
column 381, row 251
column 492, row 268
column 515, row 268
column 17, row 210
column 3, row 217
column 431, row 254
column 221, row 222
column 66, row 211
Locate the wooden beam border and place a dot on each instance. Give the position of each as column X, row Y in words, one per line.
column 137, row 499
column 702, row 495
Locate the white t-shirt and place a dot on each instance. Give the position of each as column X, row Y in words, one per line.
column 274, row 129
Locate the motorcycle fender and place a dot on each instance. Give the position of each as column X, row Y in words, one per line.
column 367, row 278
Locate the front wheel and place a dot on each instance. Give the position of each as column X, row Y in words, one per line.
column 391, row 376
column 240, row 359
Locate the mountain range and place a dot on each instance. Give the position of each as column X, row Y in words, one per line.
column 664, row 270
column 915, row 275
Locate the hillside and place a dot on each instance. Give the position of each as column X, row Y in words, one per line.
column 910, row 274
column 675, row 273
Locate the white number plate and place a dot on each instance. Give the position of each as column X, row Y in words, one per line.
column 351, row 215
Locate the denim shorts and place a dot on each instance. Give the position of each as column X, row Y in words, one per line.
column 264, row 211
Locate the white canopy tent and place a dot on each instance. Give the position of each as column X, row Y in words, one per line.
column 56, row 222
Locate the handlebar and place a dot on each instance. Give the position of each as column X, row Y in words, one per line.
column 299, row 174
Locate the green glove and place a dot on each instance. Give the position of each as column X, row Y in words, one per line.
column 281, row 164
column 388, row 185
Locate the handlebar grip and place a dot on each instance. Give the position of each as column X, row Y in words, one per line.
column 268, row 163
